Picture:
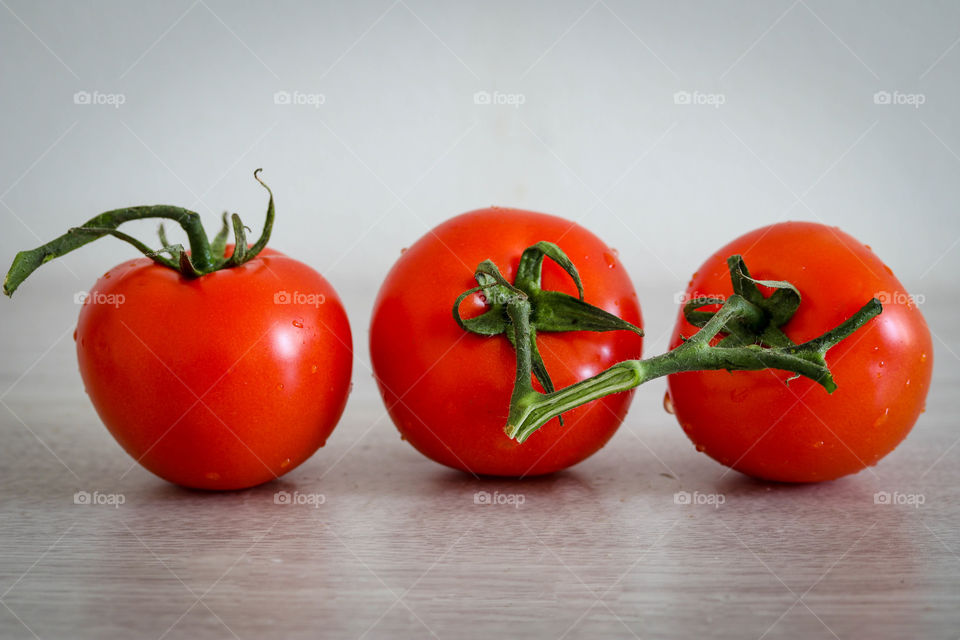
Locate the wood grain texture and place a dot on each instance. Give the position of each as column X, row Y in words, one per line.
column 400, row 549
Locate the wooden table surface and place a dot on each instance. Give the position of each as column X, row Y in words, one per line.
column 387, row 544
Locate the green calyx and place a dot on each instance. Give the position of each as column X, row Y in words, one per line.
column 747, row 322
column 205, row 255
column 543, row 310
column 760, row 324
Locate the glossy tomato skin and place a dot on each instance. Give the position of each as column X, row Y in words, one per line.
column 448, row 391
column 754, row 422
column 220, row 382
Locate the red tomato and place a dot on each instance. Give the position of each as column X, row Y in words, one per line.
column 755, row 423
column 221, row 382
column 448, row 391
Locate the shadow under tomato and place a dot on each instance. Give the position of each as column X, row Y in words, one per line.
column 738, row 484
column 453, row 480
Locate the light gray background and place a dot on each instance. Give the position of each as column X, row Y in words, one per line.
column 398, row 145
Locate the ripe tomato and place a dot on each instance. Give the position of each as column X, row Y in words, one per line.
column 448, row 391
column 220, row 382
column 753, row 421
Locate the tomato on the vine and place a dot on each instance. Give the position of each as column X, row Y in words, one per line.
column 220, row 382
column 758, row 423
column 448, row 391
column 221, row 367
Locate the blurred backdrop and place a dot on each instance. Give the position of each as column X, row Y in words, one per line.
column 667, row 129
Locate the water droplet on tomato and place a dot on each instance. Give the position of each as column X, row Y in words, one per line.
column 403, row 251
column 610, row 258
column 668, row 403
column 285, row 463
column 883, row 418
column 280, row 387
column 701, row 448
column 881, row 364
column 923, row 357
column 212, row 475
column 818, row 444
column 75, row 339
column 350, row 390
column 298, row 324
column 889, row 270
column 313, row 368
column 869, row 248
column 908, row 382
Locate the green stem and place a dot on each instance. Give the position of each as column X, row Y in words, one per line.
column 530, row 409
column 749, row 322
column 147, row 251
column 202, row 259
column 26, row 262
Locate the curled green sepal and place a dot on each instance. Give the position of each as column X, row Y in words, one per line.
column 530, row 269
column 762, row 325
column 219, row 243
column 552, row 311
column 204, row 256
